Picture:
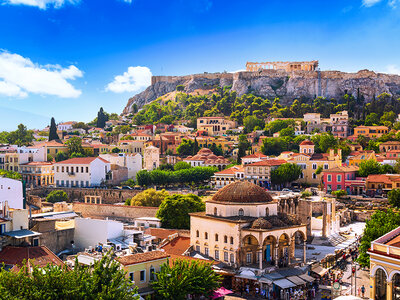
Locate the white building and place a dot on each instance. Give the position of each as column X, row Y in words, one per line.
column 91, row 232
column 11, row 191
column 133, row 162
column 30, row 154
column 81, row 172
column 65, row 126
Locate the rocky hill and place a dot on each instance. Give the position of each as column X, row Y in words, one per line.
column 277, row 83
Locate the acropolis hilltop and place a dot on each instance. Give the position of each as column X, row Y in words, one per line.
column 283, row 65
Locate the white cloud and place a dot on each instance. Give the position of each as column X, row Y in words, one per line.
column 135, row 79
column 42, row 4
column 393, row 69
column 19, row 76
column 369, row 3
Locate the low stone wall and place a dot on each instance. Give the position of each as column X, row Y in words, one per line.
column 108, row 196
column 115, row 212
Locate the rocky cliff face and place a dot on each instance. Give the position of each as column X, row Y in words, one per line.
column 277, row 83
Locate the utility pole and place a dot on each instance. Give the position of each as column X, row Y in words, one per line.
column 355, row 280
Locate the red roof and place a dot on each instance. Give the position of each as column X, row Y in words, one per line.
column 306, row 142
column 177, row 246
column 80, row 161
column 40, row 256
column 268, row 162
column 37, row 163
column 255, row 155
column 160, row 233
column 141, row 257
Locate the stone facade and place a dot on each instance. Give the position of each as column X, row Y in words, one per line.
column 288, row 66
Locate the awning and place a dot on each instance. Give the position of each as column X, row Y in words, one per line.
column 319, row 270
column 265, row 280
column 246, row 277
column 20, row 234
column 284, row 283
column 221, row 292
column 297, row 280
column 307, row 278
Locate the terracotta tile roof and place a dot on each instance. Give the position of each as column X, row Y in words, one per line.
column 255, row 155
column 37, row 163
column 160, row 233
column 189, row 258
column 342, row 169
column 141, row 257
column 306, row 142
column 268, row 162
column 177, row 246
column 52, row 143
column 80, row 161
column 385, row 178
column 208, row 157
column 40, row 256
column 319, row 156
column 231, row 171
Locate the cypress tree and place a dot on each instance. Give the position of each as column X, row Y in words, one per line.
column 101, row 118
column 53, row 131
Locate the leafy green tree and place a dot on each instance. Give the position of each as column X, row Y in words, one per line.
column 10, row 174
column 381, row 222
column 273, row 146
column 180, row 165
column 60, row 156
column 387, row 169
column 185, row 148
column 243, row 146
column 149, row 197
column 115, row 150
column 21, row 137
column 49, row 158
column 319, row 170
column 57, row 196
column 81, row 125
column 388, row 116
column 217, row 150
column 184, row 277
column 288, row 131
column 394, row 198
column 278, row 125
column 250, row 122
column 143, row 178
column 53, row 131
column 166, row 167
column 74, row 145
column 180, row 88
column 371, row 119
column 368, row 167
column 130, row 182
column 340, row 193
column 174, row 210
column 285, row 173
column 323, row 142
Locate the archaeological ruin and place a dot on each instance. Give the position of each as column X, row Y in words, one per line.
column 288, row 66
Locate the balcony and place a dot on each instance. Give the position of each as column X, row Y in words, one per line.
column 71, row 173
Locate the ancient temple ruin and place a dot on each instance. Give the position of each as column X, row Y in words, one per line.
column 283, row 65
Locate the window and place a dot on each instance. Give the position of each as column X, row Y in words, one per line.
column 67, row 169
column 35, row 242
column 267, row 212
column 329, row 188
column 87, row 169
column 248, row 258
column 225, row 239
column 152, row 273
column 197, row 233
column 326, row 166
column 225, row 256
column 77, row 169
column 198, row 248
column 2, row 228
column 215, row 211
column 206, row 251
column 206, row 235
column 314, row 166
column 143, row 275
column 241, row 212
column 339, row 187
column 131, row 276
column 87, row 183
column 216, row 254
column 57, row 168
column 216, row 237
column 231, row 240
column 232, row 258
column 314, row 176
column 81, row 169
column 329, row 178
column 339, row 178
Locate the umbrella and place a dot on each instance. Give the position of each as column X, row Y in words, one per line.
column 221, row 292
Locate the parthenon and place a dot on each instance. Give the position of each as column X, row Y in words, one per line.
column 283, row 65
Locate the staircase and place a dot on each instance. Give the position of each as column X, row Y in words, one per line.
column 336, row 239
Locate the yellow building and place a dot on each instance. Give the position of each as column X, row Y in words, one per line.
column 130, row 146
column 140, row 268
column 310, row 162
column 215, row 125
column 385, row 266
column 11, row 161
column 38, row 173
column 370, row 131
column 52, row 147
column 225, row 143
column 356, row 157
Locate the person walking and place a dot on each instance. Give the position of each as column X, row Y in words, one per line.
column 363, row 291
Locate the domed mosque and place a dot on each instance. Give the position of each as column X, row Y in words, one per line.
column 241, row 227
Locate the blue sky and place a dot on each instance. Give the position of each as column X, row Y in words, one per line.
column 67, row 58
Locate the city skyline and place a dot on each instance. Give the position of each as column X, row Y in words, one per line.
column 68, row 58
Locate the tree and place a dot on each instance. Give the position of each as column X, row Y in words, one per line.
column 174, row 210
column 340, row 193
column 115, row 150
column 368, row 167
column 143, row 178
column 74, row 144
column 81, row 125
column 381, row 222
column 185, row 148
column 149, row 197
column 243, row 146
column 101, row 118
column 394, row 198
column 60, row 156
column 324, row 141
column 180, row 165
column 104, row 280
column 184, row 277
column 53, row 131
column 250, row 122
column 217, row 150
column 10, row 174
column 319, row 170
column 49, row 158
column 285, row 173
column 57, row 196
column 371, row 119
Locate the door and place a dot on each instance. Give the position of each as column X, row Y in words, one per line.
column 268, row 253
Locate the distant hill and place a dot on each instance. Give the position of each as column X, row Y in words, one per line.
column 364, row 85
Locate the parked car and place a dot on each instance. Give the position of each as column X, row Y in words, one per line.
column 126, row 187
column 286, row 191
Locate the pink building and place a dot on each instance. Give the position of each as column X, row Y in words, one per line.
column 343, row 178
